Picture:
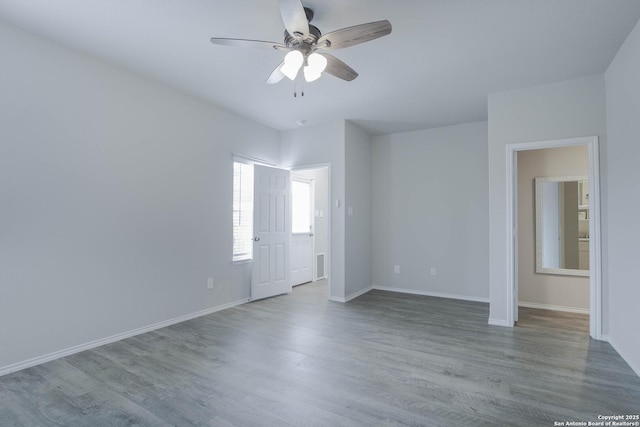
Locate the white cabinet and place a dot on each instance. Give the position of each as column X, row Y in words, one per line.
column 583, row 254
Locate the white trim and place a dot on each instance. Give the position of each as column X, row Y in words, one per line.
column 622, row 352
column 300, row 178
column 595, row 254
column 294, row 168
column 241, row 158
column 431, row 294
column 113, row 338
column 595, row 249
column 352, row 296
column 512, row 248
column 498, row 322
column 553, row 307
column 357, row 294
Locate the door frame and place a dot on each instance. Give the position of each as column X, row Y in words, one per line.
column 595, row 253
column 328, row 253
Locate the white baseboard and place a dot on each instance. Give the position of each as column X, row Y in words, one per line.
column 431, row 294
column 499, row 322
column 4, row 370
column 357, row 294
column 553, row 307
column 622, row 352
column 352, row 296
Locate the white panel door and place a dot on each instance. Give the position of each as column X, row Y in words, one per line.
column 272, row 232
column 302, row 230
column 301, row 258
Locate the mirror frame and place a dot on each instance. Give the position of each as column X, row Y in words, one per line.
column 538, row 192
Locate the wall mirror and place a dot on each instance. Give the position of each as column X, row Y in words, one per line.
column 562, row 225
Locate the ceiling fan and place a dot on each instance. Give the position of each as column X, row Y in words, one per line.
column 302, row 41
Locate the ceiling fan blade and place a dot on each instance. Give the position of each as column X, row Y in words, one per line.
column 276, row 75
column 355, row 35
column 339, row 69
column 294, row 18
column 256, row 44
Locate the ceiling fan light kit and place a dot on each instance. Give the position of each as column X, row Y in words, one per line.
column 316, row 64
column 292, row 63
column 302, row 41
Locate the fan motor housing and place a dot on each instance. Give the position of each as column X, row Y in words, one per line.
column 314, row 33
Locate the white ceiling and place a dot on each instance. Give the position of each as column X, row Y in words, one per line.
column 436, row 68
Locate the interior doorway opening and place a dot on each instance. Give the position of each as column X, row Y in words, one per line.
column 595, row 261
column 310, row 236
column 553, row 238
column 302, row 229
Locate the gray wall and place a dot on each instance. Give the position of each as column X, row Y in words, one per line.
column 116, row 199
column 623, row 189
column 334, row 143
column 316, row 145
column 358, row 200
column 430, row 209
column 546, row 289
column 559, row 110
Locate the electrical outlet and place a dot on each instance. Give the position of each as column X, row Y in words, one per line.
column 433, row 271
column 396, row 269
column 210, row 283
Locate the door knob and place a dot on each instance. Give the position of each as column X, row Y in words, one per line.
column 256, row 239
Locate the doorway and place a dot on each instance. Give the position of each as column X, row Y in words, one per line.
column 553, row 238
column 310, row 259
column 302, row 228
column 595, row 298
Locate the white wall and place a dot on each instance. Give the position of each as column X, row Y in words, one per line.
column 560, row 110
column 430, row 209
column 358, row 203
column 315, row 145
column 623, row 189
column 570, row 292
column 116, row 199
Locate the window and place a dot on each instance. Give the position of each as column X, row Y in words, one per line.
column 242, row 211
column 301, row 206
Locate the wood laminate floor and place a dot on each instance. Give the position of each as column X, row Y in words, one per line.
column 550, row 319
column 384, row 359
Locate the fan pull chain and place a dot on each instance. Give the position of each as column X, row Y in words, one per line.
column 295, row 89
column 301, row 90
